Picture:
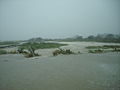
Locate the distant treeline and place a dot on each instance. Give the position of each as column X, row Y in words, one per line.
column 115, row 38
column 96, row 38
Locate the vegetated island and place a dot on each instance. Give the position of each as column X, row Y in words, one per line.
column 28, row 47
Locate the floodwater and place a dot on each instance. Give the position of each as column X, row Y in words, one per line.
column 64, row 72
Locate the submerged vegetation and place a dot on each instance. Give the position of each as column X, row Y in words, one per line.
column 104, row 48
column 4, row 44
column 62, row 51
column 41, row 45
column 9, row 43
column 96, row 51
column 3, row 52
column 28, row 47
column 32, row 46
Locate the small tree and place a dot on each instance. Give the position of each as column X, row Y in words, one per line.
column 31, row 50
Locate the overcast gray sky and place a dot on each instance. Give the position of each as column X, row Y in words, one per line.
column 23, row 19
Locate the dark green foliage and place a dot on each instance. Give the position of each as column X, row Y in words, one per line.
column 20, row 50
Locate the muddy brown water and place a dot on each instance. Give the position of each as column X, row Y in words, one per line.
column 64, row 72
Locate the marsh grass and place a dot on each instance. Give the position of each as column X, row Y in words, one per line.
column 104, row 48
column 41, row 45
column 8, row 43
column 32, row 46
column 29, row 55
column 62, row 51
column 96, row 51
column 3, row 52
column 13, row 52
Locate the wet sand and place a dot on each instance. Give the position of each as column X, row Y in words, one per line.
column 63, row 72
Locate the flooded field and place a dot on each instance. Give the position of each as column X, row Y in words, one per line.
column 59, row 45
column 63, row 72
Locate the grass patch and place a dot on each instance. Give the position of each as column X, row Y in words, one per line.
column 95, row 51
column 111, row 46
column 3, row 52
column 8, row 43
column 103, row 47
column 31, row 47
column 96, row 47
column 41, row 45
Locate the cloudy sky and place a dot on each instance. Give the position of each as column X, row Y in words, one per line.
column 23, row 19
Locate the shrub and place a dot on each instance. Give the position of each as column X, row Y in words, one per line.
column 28, row 55
column 62, row 51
